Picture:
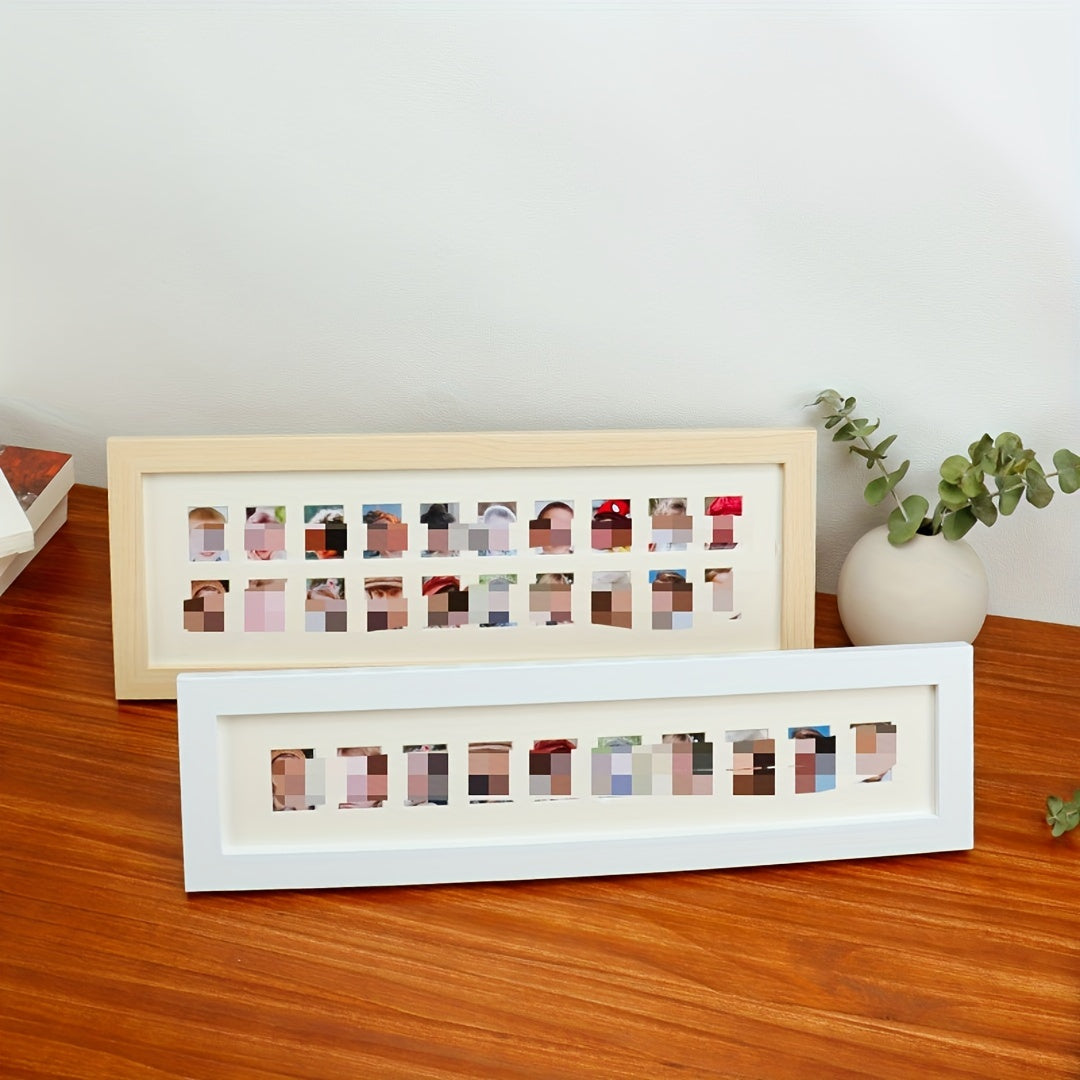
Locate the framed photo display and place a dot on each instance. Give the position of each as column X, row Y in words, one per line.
column 390, row 776
column 297, row 551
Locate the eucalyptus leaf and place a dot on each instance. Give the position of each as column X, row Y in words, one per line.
column 1010, row 495
column 951, row 495
column 953, row 468
column 846, row 433
column 1023, row 460
column 901, row 529
column 915, row 506
column 1069, row 480
column 980, row 449
column 1068, row 467
column 864, row 427
column 884, row 445
column 972, row 484
column 1037, row 490
column 877, row 489
column 905, row 520
column 984, row 509
column 1062, row 816
column 1008, row 441
column 958, row 524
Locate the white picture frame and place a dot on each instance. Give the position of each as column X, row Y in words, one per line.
column 254, row 601
column 239, row 730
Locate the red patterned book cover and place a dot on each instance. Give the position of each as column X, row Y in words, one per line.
column 30, row 472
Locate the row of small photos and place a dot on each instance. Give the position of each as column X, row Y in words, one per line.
column 495, row 531
column 681, row 764
column 450, row 603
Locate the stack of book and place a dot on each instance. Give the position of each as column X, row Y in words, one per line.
column 34, row 486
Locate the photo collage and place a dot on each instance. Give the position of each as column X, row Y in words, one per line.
column 742, row 762
column 350, row 567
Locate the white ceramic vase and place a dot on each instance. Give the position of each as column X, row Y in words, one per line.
column 929, row 589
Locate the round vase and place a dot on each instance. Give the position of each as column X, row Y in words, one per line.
column 929, row 589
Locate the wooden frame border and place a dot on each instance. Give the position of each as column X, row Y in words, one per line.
column 603, row 840
column 132, row 459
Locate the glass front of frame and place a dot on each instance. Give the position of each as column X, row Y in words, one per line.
column 446, row 776
column 312, row 568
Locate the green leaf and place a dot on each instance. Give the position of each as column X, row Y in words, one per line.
column 1069, row 479
column 984, row 509
column 1008, row 442
column 953, row 468
column 958, row 524
column 901, row 528
column 1011, row 493
column 832, row 422
column 951, row 495
column 1066, row 459
column 864, row 427
column 972, row 484
column 863, row 452
column 1068, row 467
column 1037, row 491
column 884, row 445
column 827, row 397
column 877, row 489
column 846, row 433
column 1011, row 466
column 978, row 450
column 1062, row 816
column 1015, row 463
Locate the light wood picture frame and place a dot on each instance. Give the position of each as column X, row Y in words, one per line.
column 511, row 771
column 298, row 551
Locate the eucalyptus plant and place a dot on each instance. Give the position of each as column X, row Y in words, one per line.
column 1063, row 814
column 964, row 495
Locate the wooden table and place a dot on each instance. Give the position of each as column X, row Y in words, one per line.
column 945, row 965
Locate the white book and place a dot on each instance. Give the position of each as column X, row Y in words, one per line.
column 13, row 565
column 38, row 481
column 16, row 532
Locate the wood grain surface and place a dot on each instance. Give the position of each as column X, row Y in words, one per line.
column 946, row 965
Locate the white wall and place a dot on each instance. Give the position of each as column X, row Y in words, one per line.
column 307, row 216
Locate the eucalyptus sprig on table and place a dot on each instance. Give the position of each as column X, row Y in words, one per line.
column 964, row 496
column 1063, row 815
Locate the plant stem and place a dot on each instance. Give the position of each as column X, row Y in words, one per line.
column 885, row 473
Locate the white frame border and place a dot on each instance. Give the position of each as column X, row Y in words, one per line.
column 204, row 698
